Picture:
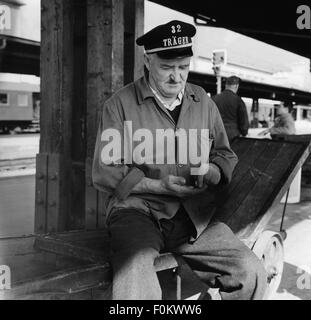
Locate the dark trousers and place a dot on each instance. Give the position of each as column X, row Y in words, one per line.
column 217, row 257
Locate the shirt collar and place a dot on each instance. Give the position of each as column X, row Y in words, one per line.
column 143, row 90
column 175, row 103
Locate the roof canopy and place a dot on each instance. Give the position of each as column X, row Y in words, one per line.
column 269, row 21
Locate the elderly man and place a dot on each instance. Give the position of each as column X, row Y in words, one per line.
column 160, row 199
column 232, row 109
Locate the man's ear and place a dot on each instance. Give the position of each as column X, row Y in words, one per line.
column 147, row 61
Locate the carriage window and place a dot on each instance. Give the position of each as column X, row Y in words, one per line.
column 4, row 99
column 22, row 100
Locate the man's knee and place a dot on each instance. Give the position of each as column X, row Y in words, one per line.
column 132, row 232
column 252, row 275
column 247, row 271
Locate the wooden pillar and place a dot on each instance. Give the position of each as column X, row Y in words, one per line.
column 76, row 219
column 82, row 64
column 105, row 33
column 134, row 22
column 53, row 162
column 60, row 180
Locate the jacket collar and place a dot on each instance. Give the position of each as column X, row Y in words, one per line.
column 228, row 90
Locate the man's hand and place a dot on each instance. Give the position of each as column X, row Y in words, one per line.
column 176, row 186
column 212, row 177
column 169, row 185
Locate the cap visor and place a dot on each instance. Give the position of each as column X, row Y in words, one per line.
column 175, row 53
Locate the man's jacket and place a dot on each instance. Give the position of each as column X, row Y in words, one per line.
column 284, row 124
column 137, row 105
column 233, row 113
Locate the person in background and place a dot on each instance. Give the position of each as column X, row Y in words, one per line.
column 284, row 123
column 232, row 109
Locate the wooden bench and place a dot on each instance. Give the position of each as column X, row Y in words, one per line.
column 265, row 171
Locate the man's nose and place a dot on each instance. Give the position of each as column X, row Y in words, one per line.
column 175, row 75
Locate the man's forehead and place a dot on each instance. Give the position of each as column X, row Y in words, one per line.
column 175, row 61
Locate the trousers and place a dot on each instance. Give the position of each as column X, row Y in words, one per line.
column 217, row 256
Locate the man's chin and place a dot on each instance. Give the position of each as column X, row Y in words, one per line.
column 171, row 95
column 174, row 91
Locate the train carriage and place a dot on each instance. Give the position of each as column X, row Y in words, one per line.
column 19, row 102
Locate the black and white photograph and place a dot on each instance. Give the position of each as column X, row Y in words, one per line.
column 155, row 153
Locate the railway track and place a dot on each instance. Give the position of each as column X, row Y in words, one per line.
column 17, row 164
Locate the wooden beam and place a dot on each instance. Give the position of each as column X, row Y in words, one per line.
column 82, row 51
column 58, row 195
column 62, row 282
column 259, row 182
column 41, row 193
column 62, row 117
column 56, row 75
column 104, row 76
column 93, row 246
column 76, row 217
column 134, row 22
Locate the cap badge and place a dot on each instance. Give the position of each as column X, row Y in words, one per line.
column 176, row 28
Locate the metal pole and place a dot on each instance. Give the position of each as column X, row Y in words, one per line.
column 282, row 231
column 218, row 83
column 218, row 78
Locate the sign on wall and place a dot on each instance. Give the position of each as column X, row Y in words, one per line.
column 5, row 17
column 20, row 20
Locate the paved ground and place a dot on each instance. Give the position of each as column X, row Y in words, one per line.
column 19, row 146
column 17, row 154
column 17, row 206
